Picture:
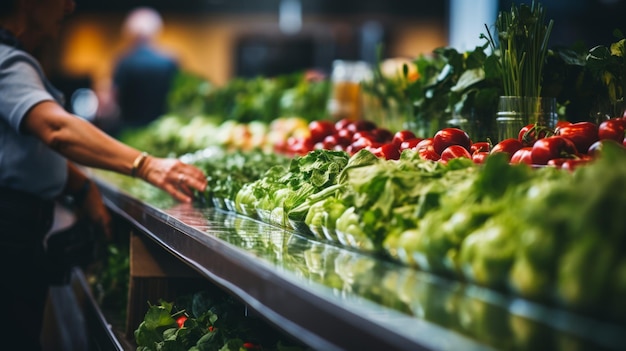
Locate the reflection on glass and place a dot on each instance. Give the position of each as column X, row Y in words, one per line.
column 489, row 317
column 483, row 315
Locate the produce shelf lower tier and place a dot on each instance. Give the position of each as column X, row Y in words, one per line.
column 333, row 298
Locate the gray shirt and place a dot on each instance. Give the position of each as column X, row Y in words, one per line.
column 26, row 163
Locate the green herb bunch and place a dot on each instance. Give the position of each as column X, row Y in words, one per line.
column 523, row 37
column 607, row 64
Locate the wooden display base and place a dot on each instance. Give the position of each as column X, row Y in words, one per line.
column 155, row 275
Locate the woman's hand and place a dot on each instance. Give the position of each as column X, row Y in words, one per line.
column 173, row 176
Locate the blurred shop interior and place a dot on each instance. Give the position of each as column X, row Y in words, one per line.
column 222, row 39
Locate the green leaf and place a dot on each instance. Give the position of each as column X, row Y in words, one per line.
column 468, row 78
column 159, row 316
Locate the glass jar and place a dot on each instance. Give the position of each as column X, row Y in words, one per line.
column 510, row 117
column 346, row 100
column 515, row 112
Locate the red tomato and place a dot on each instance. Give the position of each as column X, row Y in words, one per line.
column 388, row 151
column 595, row 149
column 342, row 123
column 428, row 153
column 361, row 124
column 410, row 144
column 479, row 156
column 320, row 129
column 402, row 135
column 454, row 151
column 574, row 163
column 331, row 141
column 583, row 134
column 359, row 144
column 382, row 135
column 531, row 132
column 364, row 134
column 612, row 129
column 300, row 146
column 523, row 155
column 552, row 147
column 562, row 123
column 181, row 321
column 481, row 146
column 344, row 133
column 424, row 143
column 509, row 146
column 450, row 136
column 568, row 163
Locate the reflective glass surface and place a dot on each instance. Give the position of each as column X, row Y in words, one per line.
column 434, row 311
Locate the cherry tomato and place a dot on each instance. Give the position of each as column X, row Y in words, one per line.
column 612, row 129
column 583, row 134
column 359, row 144
column 424, row 143
column 361, row 124
column 331, row 141
column 300, row 146
column 382, row 135
column 552, row 147
column 523, row 155
column 410, row 144
column 480, row 146
column 342, row 123
column 479, row 156
column 344, row 133
column 509, row 146
column 364, row 134
column 181, row 321
column 320, row 129
column 531, row 132
column 450, row 136
column 428, row 153
column 454, row 151
column 402, row 135
column 388, row 151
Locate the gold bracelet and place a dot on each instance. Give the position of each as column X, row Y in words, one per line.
column 138, row 163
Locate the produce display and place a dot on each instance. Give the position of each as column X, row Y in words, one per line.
column 525, row 228
column 206, row 320
column 536, row 217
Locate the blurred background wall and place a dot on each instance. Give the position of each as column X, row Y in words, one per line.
column 221, row 39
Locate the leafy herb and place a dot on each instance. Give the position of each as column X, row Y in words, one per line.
column 608, row 66
column 523, row 42
column 214, row 322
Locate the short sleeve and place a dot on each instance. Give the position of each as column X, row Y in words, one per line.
column 22, row 87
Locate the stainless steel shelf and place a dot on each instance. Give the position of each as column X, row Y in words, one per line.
column 333, row 298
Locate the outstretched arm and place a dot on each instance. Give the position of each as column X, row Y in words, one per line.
column 85, row 144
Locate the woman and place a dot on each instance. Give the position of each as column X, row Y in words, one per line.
column 39, row 144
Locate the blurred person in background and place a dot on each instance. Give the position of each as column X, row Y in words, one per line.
column 41, row 146
column 142, row 75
